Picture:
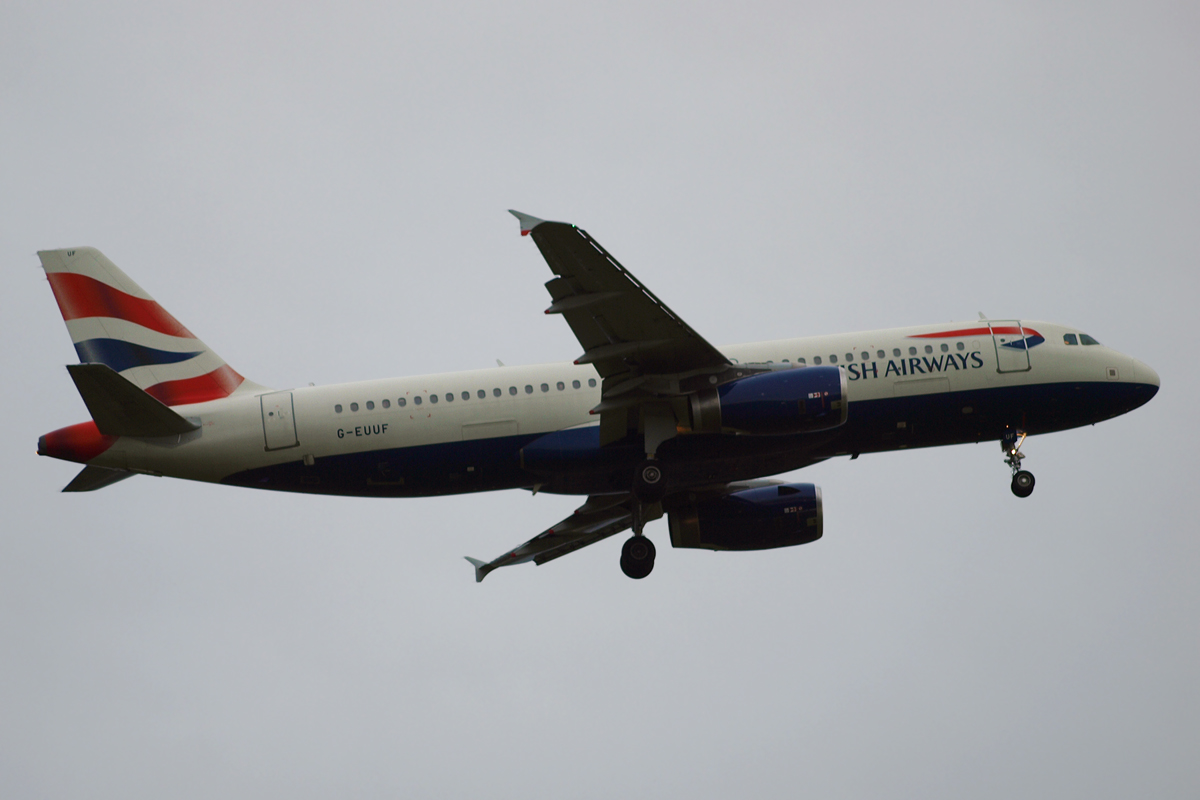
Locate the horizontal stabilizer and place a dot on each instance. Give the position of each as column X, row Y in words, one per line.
column 93, row 478
column 120, row 408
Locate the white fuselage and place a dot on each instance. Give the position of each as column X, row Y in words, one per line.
column 241, row 432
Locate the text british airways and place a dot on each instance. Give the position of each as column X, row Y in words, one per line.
column 914, row 365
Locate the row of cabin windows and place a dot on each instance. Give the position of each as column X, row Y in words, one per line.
column 865, row 355
column 1069, row 338
column 480, row 393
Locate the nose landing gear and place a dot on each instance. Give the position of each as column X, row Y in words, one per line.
column 1022, row 480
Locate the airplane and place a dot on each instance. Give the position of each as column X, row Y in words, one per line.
column 649, row 421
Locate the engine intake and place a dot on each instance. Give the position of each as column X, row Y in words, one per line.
column 751, row 519
column 801, row 400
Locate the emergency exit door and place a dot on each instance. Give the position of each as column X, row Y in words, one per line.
column 279, row 421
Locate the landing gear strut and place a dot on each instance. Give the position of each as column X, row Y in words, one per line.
column 637, row 557
column 1022, row 480
column 649, row 487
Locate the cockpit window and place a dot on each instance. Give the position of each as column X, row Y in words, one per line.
column 1069, row 338
column 1085, row 339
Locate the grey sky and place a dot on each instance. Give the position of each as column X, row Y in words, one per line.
column 320, row 194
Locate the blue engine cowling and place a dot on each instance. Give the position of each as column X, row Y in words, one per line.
column 751, row 519
column 800, row 400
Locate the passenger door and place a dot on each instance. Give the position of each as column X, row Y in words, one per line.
column 1012, row 350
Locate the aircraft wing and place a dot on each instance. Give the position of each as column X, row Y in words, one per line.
column 600, row 517
column 641, row 348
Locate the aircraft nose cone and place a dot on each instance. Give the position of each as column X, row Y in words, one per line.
column 1145, row 375
column 1145, row 382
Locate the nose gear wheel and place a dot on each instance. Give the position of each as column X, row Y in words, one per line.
column 1022, row 480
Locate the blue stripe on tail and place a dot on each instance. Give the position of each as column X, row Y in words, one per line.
column 121, row 355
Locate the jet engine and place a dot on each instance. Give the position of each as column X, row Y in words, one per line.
column 759, row 518
column 800, row 400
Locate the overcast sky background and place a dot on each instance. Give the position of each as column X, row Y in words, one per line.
column 320, row 193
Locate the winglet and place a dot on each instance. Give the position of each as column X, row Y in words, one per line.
column 528, row 223
column 481, row 568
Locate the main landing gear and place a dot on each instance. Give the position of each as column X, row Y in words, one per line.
column 1022, row 480
column 637, row 557
column 649, row 487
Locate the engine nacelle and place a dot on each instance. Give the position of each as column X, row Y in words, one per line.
column 800, row 400
column 751, row 519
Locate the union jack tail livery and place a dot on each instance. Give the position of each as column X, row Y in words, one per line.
column 113, row 321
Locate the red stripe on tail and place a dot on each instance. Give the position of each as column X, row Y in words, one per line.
column 217, row 384
column 80, row 297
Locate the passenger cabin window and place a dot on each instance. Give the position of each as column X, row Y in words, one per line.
column 417, row 400
column 370, row 405
column 560, row 386
column 402, row 402
column 817, row 360
column 960, row 346
column 880, row 354
column 528, row 389
column 833, row 359
column 545, row 387
column 496, row 392
column 849, row 356
column 896, row 352
column 574, row 384
column 354, row 406
column 1069, row 338
column 928, row 349
column 945, row 347
column 802, row 362
column 912, row 351
column 592, row 381
column 482, row 394
column 1085, row 339
column 387, row 403
column 449, row 397
column 512, row 390
column 433, row 398
column 338, row 408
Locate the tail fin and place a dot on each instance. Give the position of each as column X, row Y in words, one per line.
column 113, row 321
